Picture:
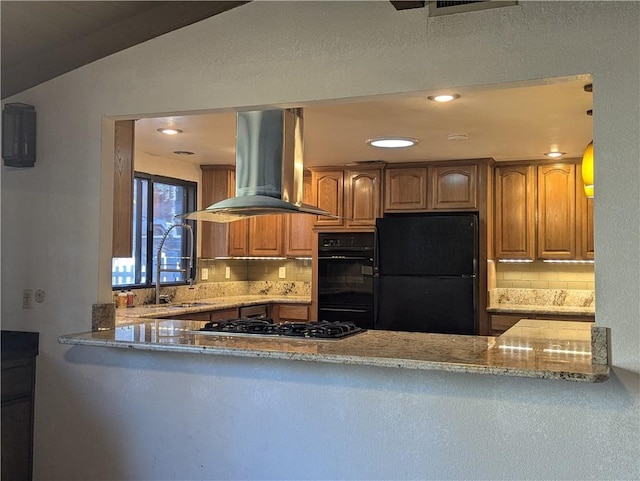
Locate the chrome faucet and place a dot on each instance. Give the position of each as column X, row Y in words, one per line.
column 188, row 229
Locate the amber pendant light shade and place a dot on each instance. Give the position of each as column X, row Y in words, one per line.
column 587, row 170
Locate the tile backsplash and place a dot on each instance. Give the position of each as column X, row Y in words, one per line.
column 230, row 270
column 540, row 275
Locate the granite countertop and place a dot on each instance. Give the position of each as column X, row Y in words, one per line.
column 571, row 351
column 562, row 302
column 203, row 305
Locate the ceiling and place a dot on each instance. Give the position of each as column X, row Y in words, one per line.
column 41, row 40
column 505, row 122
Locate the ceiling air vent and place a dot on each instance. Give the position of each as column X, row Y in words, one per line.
column 451, row 6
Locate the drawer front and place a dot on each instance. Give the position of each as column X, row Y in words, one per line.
column 261, row 310
column 502, row 323
column 17, row 379
column 224, row 314
column 192, row 316
column 298, row 313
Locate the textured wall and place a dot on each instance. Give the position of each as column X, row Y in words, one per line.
column 105, row 414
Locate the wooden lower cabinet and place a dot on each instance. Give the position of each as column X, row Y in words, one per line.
column 501, row 322
column 290, row 312
column 217, row 315
column 222, row 314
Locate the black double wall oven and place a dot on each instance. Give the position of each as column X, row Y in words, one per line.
column 345, row 277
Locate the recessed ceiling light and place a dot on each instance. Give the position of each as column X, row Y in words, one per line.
column 183, row 152
column 554, row 155
column 169, row 131
column 392, row 142
column 444, row 97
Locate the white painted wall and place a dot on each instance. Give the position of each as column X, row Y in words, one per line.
column 107, row 414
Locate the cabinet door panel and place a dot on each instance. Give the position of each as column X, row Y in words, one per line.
column 453, row 187
column 329, row 195
column 223, row 314
column 584, row 219
column 405, row 189
column 363, row 197
column 515, row 212
column 216, row 185
column 556, row 211
column 265, row 235
column 299, row 227
column 238, row 238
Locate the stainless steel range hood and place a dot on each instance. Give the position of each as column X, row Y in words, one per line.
column 269, row 169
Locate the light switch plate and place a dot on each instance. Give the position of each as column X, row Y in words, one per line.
column 227, row 272
column 282, row 272
column 27, row 298
column 204, row 274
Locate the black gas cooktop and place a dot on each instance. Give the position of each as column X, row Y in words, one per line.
column 266, row 327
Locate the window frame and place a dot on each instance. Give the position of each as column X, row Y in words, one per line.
column 191, row 194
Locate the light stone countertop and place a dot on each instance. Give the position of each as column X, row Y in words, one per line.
column 570, row 351
column 125, row 315
column 562, row 302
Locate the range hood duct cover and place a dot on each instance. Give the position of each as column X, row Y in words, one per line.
column 269, row 169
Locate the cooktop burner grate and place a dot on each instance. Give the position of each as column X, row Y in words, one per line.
column 266, row 326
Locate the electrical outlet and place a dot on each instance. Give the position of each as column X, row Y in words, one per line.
column 27, row 298
column 282, row 272
column 204, row 274
column 227, row 272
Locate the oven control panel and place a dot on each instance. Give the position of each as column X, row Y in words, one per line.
column 361, row 241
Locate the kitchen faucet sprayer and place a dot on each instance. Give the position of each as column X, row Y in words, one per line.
column 188, row 229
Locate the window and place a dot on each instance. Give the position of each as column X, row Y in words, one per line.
column 156, row 200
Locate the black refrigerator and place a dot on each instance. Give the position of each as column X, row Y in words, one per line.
column 426, row 273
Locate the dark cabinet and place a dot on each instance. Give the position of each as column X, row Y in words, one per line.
column 19, row 351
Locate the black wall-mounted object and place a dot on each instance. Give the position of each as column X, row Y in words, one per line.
column 19, row 135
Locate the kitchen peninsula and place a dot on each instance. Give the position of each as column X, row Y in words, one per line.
column 570, row 351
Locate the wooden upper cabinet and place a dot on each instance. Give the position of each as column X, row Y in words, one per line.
column 515, row 204
column 584, row 220
column 220, row 239
column 238, row 238
column 557, row 211
column 238, row 230
column 405, row 189
column 363, row 201
column 328, row 193
column 453, row 187
column 299, row 227
column 265, row 235
column 122, row 245
column 216, row 185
